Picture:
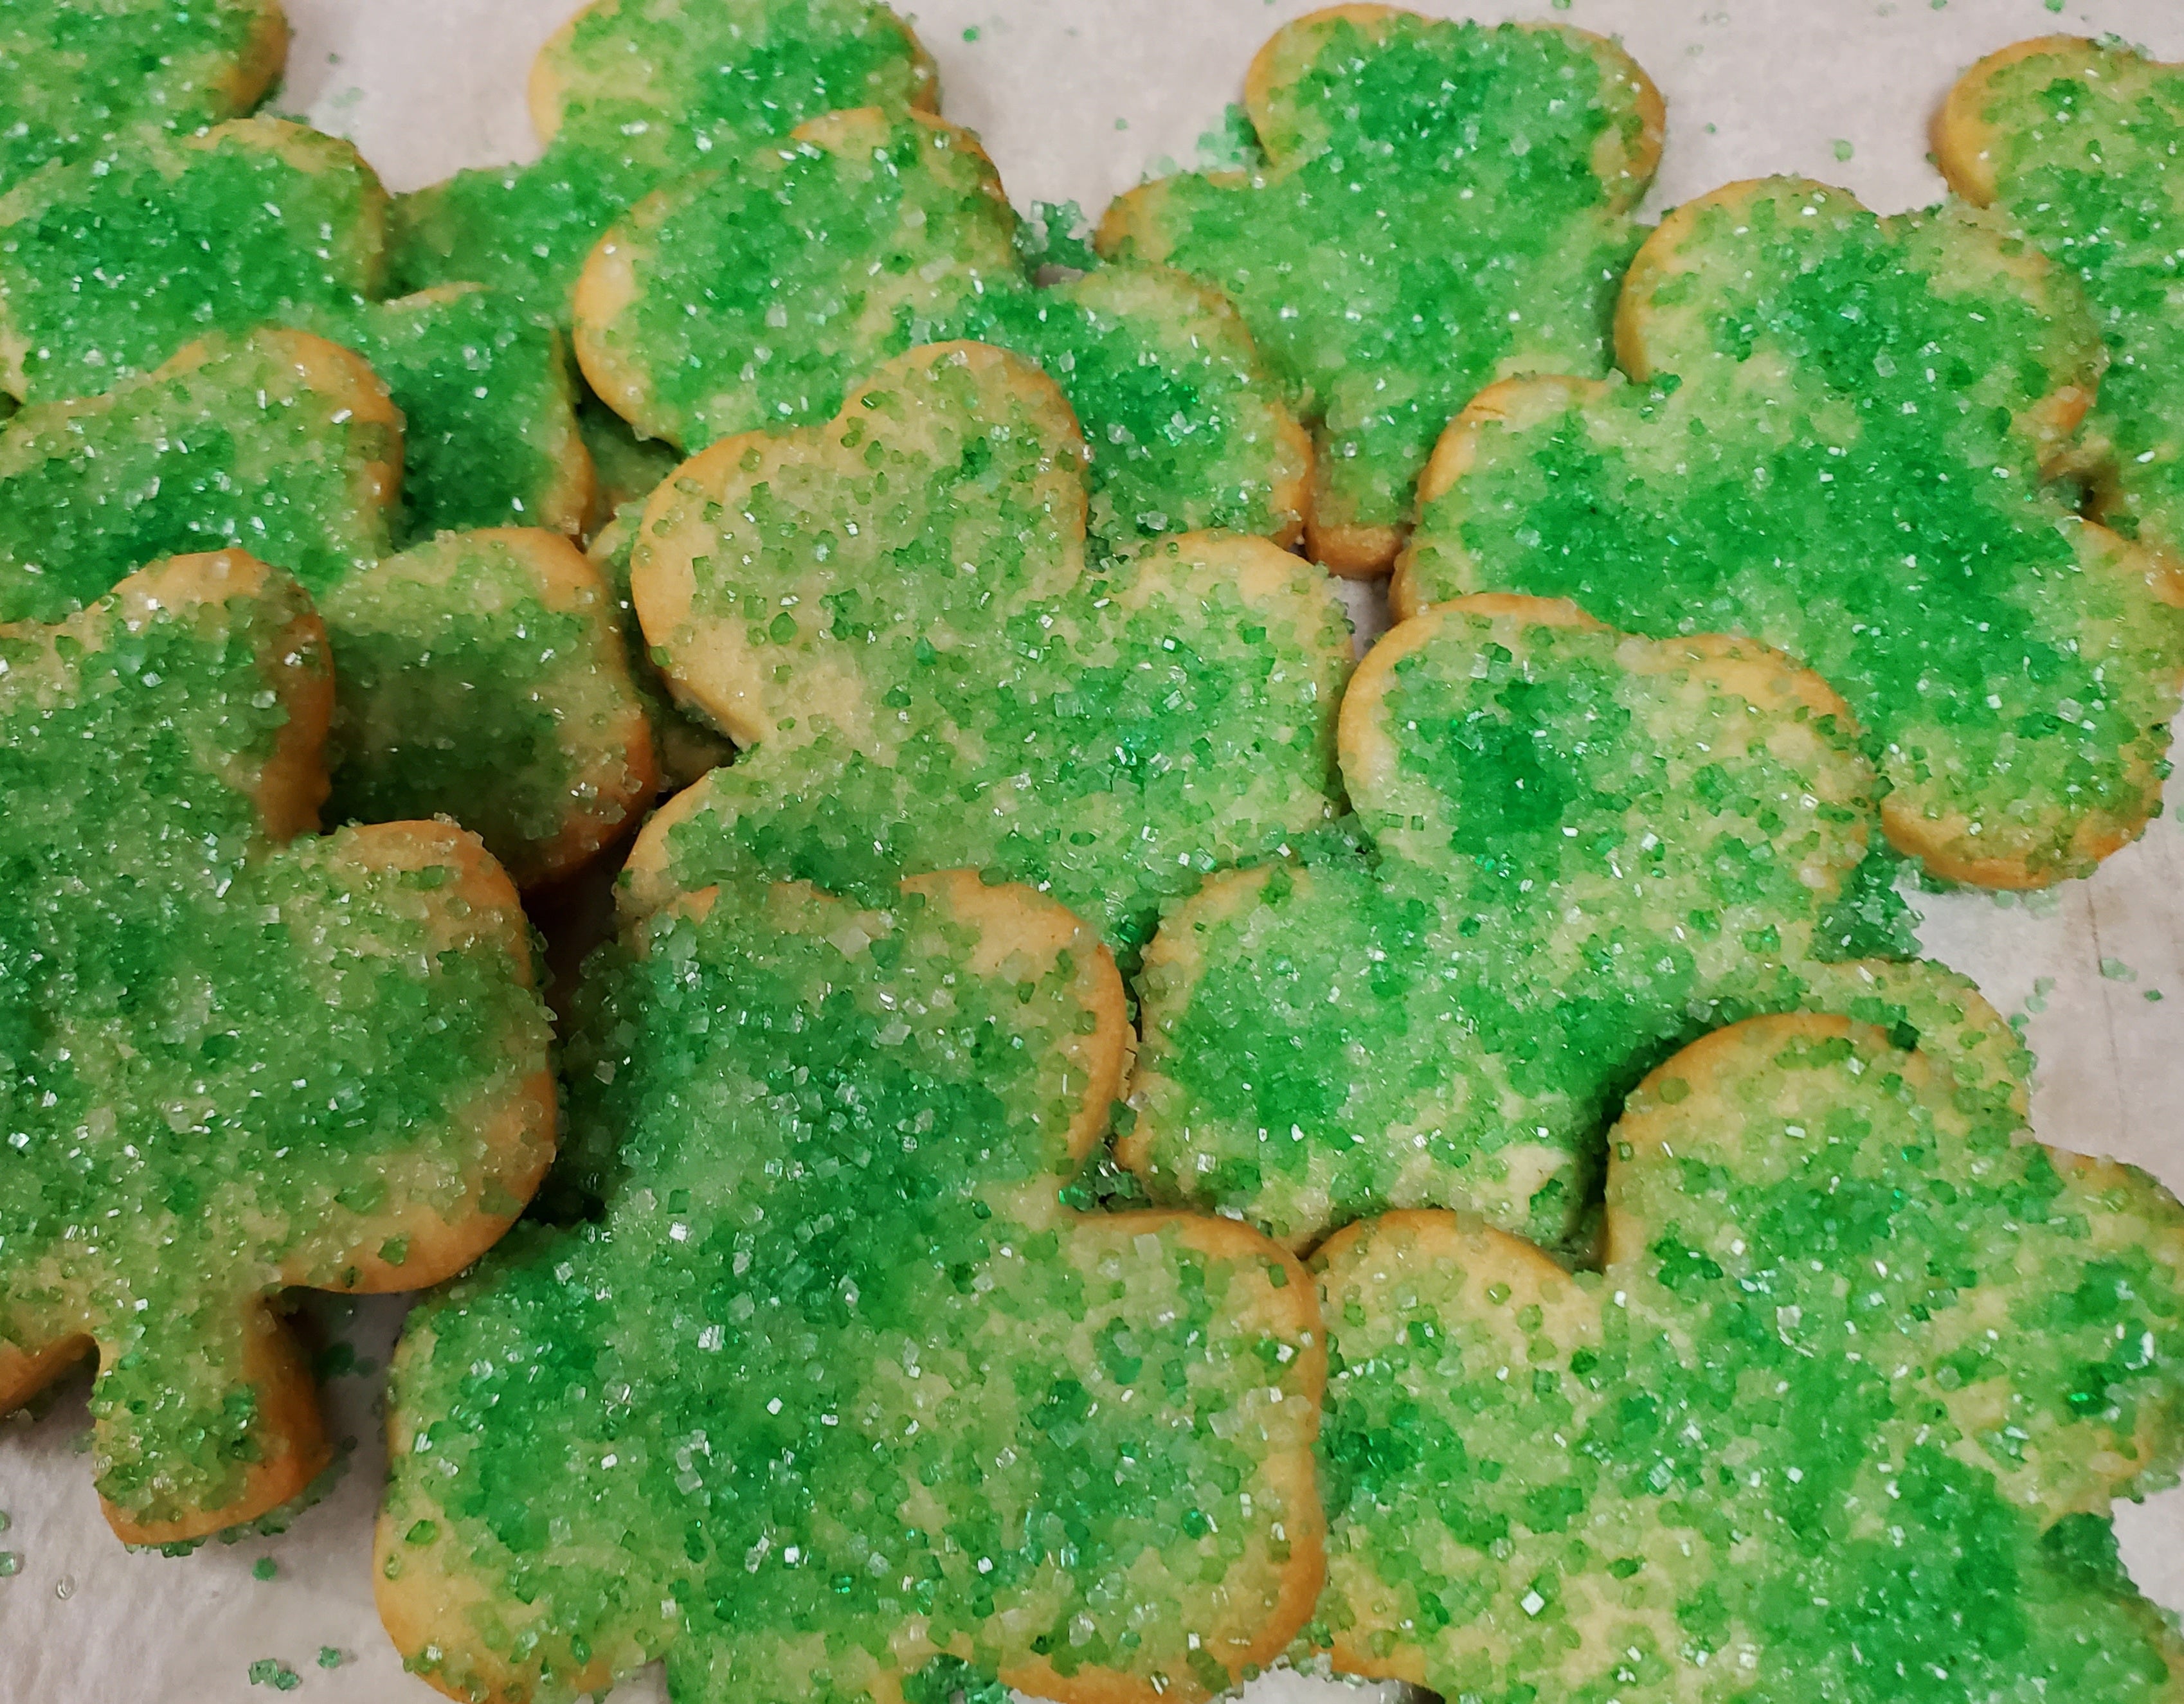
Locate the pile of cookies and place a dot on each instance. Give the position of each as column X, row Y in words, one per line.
column 1113, row 1146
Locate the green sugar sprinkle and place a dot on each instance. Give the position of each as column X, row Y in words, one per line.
column 79, row 76
column 2116, row 971
column 832, row 1356
column 264, row 1569
column 240, row 449
column 11, row 1563
column 329, row 1658
column 1464, row 187
column 270, row 1671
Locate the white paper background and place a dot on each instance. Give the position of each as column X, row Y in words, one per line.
column 1075, row 102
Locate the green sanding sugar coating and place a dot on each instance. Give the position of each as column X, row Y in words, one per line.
column 1838, row 454
column 835, row 1380
column 899, row 605
column 646, row 90
column 2085, row 146
column 242, row 447
column 473, row 685
column 1591, row 849
column 1840, row 1420
column 107, row 268
column 753, row 298
column 1442, row 204
column 74, row 75
column 490, row 435
column 223, row 1063
column 1182, row 426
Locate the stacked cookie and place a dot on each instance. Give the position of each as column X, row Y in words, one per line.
column 1112, row 1146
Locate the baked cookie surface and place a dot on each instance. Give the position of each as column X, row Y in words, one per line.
column 108, row 267
column 632, row 93
column 1832, row 438
column 1586, row 848
column 75, row 75
column 234, row 1056
column 1438, row 204
column 1841, row 1418
column 2077, row 144
column 893, row 613
column 835, row 1401
column 752, row 296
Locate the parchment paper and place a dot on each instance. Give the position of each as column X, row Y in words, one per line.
column 1075, row 102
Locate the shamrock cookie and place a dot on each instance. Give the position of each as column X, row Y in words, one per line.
column 893, row 610
column 106, row 268
column 74, row 76
column 234, row 1056
column 2077, row 143
column 1842, row 1418
column 1588, row 848
column 836, row 1399
column 1832, row 439
column 632, row 93
column 1437, row 204
column 754, row 296
column 484, row 674
column 279, row 443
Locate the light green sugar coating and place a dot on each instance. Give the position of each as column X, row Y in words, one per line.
column 834, row 1385
column 632, row 94
column 753, row 297
column 276, row 444
column 483, row 676
column 2083, row 150
column 1439, row 205
column 73, row 75
column 894, row 610
column 108, row 268
column 1591, row 849
column 490, row 435
column 1841, row 1419
column 685, row 745
column 225, row 1064
column 1838, row 454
